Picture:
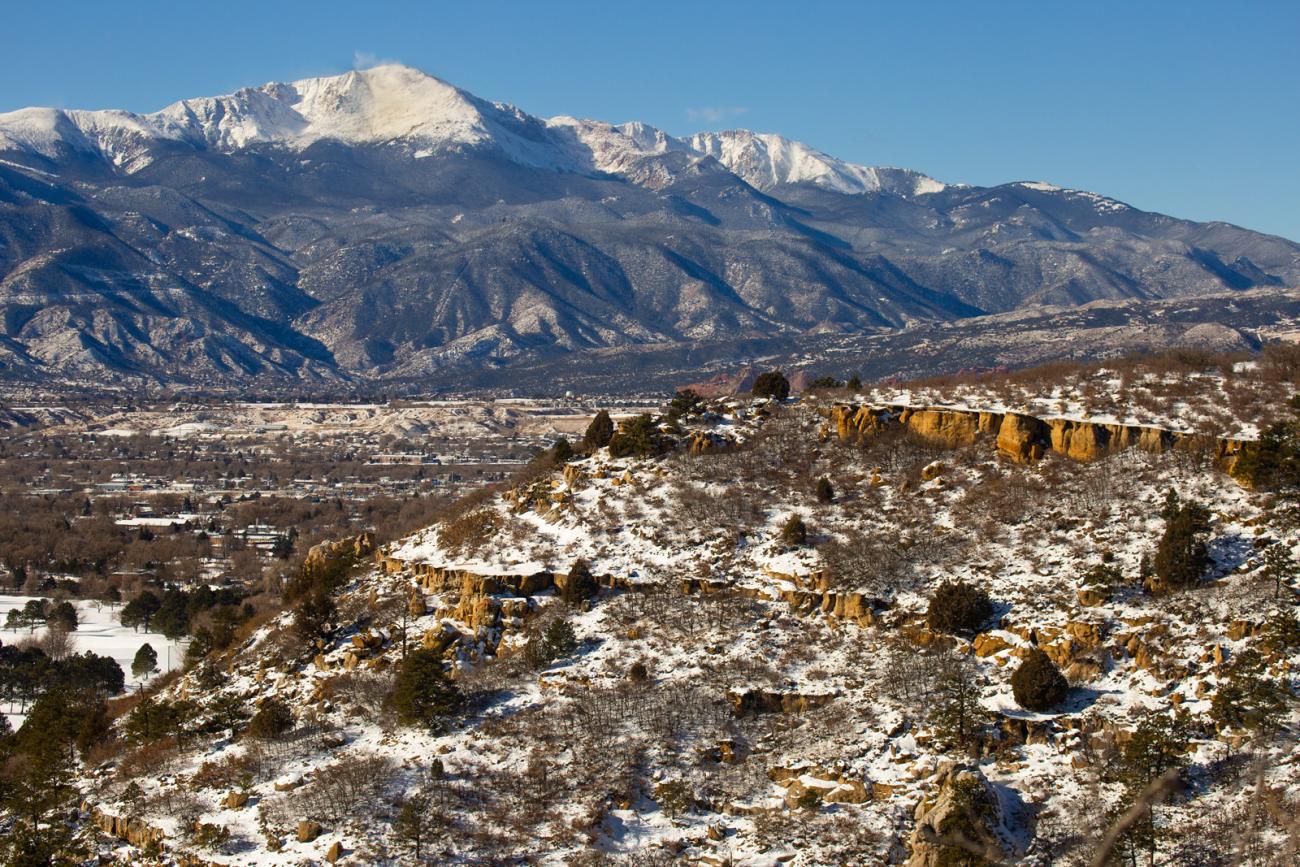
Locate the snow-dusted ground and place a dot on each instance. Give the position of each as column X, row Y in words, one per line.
column 98, row 631
column 1024, row 533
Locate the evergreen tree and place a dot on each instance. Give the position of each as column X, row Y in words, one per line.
column 1279, row 566
column 423, row 695
column 1252, row 697
column 771, row 384
column 140, row 610
column 685, row 402
column 1181, row 557
column 1037, row 684
column 1158, row 747
column 599, row 431
column 954, row 709
column 855, row 383
column 62, row 617
column 580, row 585
column 314, row 617
column 559, row 639
column 415, row 824
column 1273, row 462
column 173, row 616
column 825, row 491
column 638, row 437
column 958, row 607
column 273, row 719
column 561, row 451
column 145, row 662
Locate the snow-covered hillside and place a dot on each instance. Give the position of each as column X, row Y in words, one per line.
column 757, row 673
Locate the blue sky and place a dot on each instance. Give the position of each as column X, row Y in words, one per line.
column 1191, row 108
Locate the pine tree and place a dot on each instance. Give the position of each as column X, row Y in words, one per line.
column 423, row 695
column 955, row 710
column 1181, row 557
column 1158, row 747
column 416, row 823
column 599, row 431
column 62, row 617
column 145, row 662
column 559, row 639
column 1252, row 697
column 314, row 617
column 1279, row 566
column 638, row 437
column 825, row 492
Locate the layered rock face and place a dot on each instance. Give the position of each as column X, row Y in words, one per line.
column 1026, row 438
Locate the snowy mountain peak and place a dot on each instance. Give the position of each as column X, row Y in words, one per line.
column 765, row 160
column 381, row 104
column 395, row 103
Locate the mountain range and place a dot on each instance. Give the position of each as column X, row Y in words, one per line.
column 383, row 226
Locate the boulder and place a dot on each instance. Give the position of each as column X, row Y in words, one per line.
column 963, row 815
column 987, row 644
column 235, row 800
column 308, row 830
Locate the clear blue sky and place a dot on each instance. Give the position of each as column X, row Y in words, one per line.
column 1190, row 107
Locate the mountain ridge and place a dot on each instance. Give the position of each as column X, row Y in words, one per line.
column 384, row 225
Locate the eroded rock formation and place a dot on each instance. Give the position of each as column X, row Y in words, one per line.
column 1025, row 438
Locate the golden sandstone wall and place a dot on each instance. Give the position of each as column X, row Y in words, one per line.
column 1025, row 438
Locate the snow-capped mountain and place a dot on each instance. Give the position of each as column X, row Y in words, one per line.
column 397, row 104
column 385, row 224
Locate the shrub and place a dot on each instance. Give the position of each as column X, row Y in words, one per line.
column 272, row 720
column 771, row 384
column 825, row 492
column 958, row 607
column 1102, row 577
column 794, row 532
column 1037, row 684
column 470, row 530
column 423, row 694
column 599, row 431
column 638, row 673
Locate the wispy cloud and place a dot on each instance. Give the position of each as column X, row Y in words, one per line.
column 714, row 113
column 368, row 59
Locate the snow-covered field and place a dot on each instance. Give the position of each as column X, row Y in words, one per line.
column 100, row 632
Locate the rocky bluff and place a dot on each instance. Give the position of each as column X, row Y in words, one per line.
column 1026, row 438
